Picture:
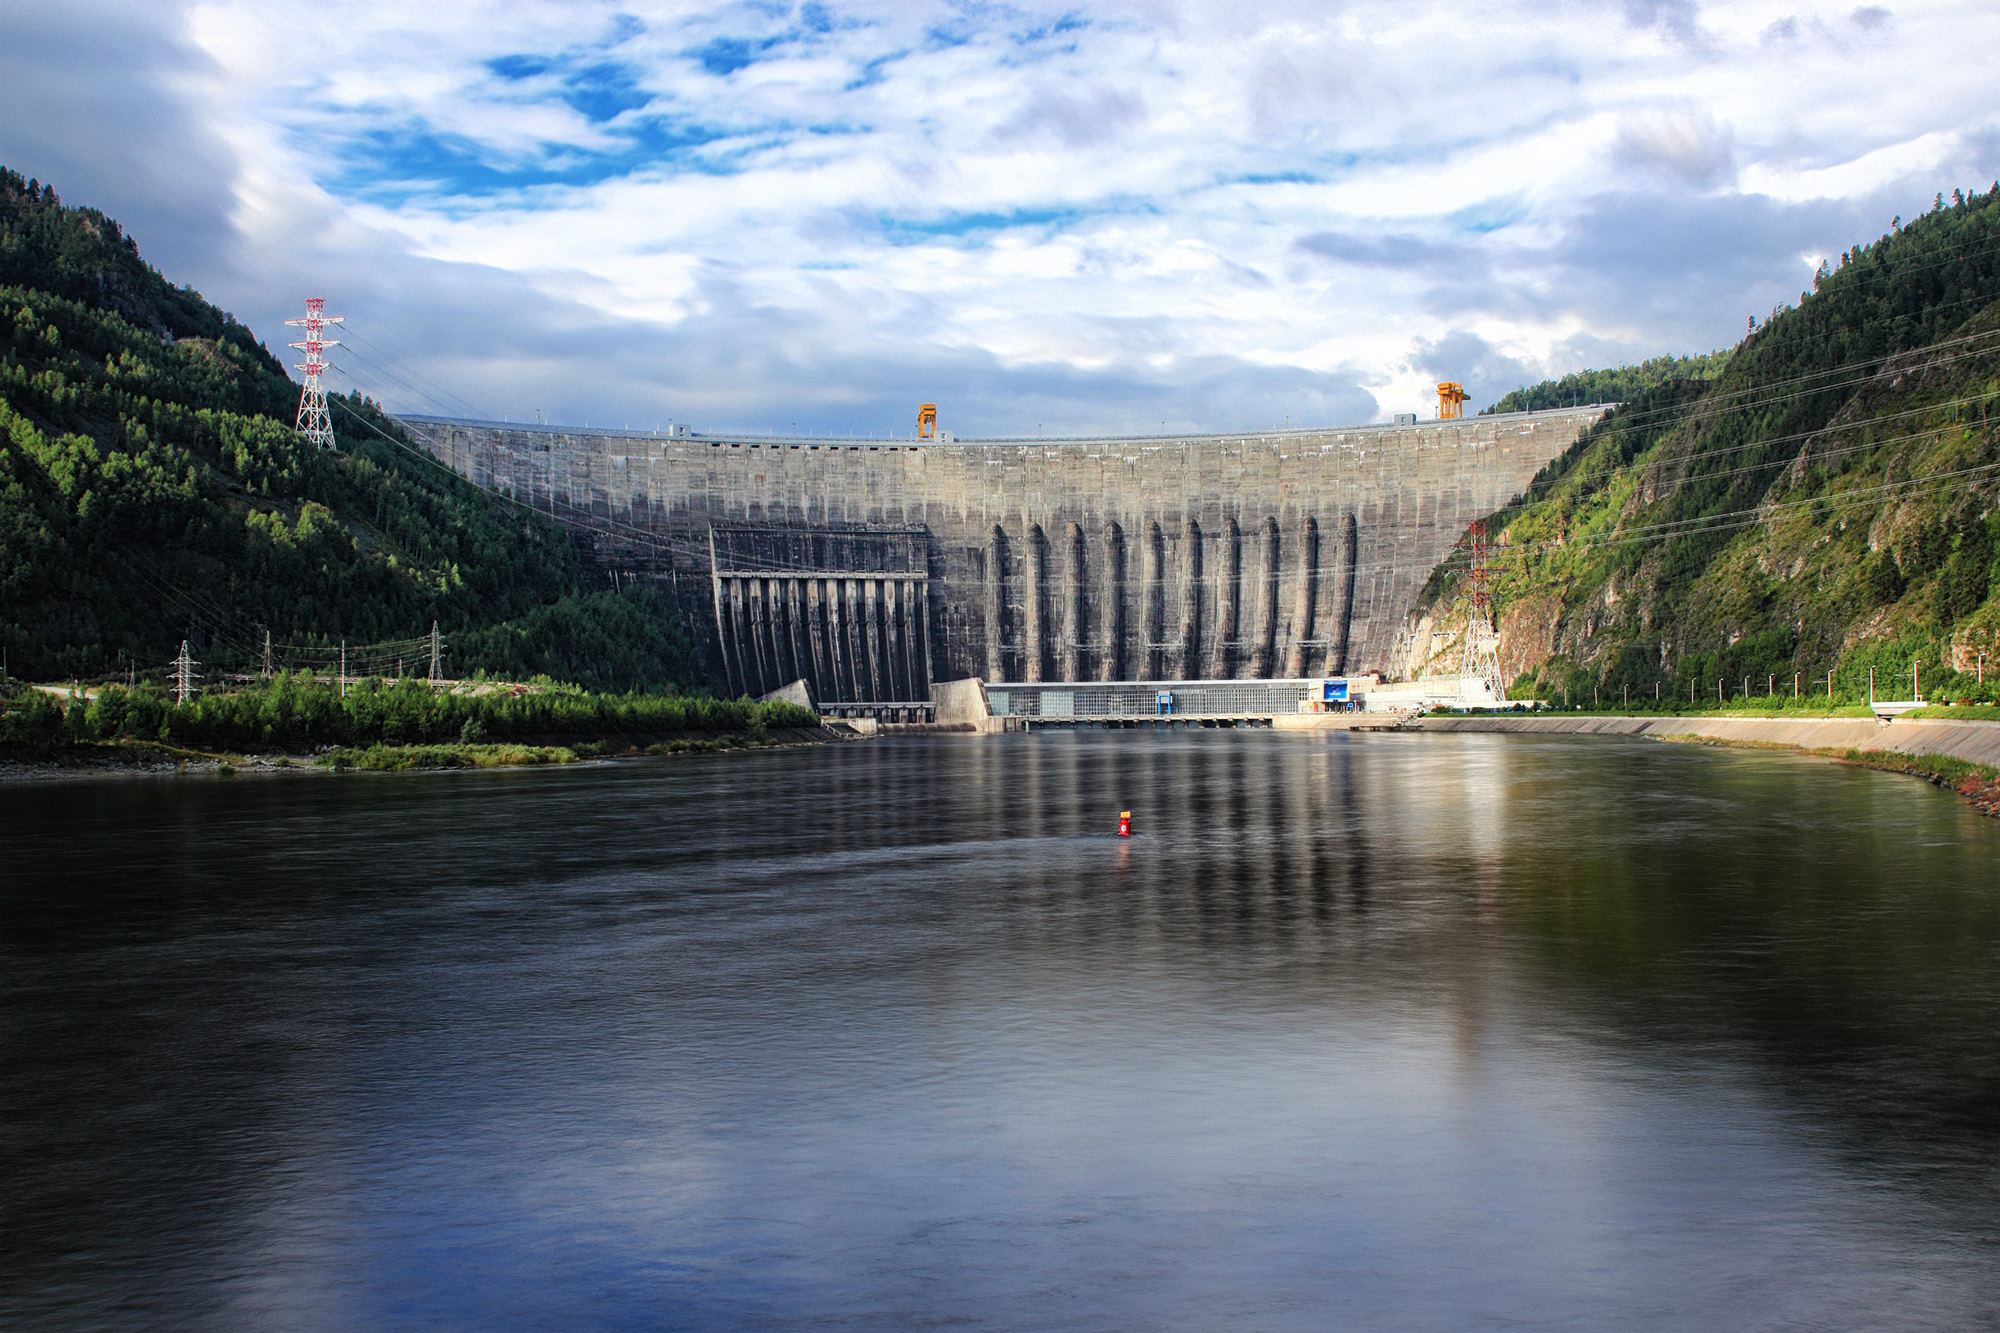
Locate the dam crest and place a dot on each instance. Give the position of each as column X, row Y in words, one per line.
column 872, row 568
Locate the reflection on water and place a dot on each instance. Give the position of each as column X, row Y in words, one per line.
column 1362, row 1031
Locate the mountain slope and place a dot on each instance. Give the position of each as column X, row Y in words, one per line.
column 1824, row 505
column 152, row 489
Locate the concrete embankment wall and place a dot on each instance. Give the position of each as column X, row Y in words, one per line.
column 1975, row 742
column 873, row 568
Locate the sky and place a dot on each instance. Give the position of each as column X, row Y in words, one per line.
column 1049, row 220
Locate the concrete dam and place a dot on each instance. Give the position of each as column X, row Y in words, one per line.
column 872, row 568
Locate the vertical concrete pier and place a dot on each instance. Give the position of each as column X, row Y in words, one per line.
column 1155, row 619
column 1267, row 602
column 1076, row 600
column 1035, row 615
column 1114, row 602
column 996, row 603
column 1229, row 602
column 1190, row 589
column 1346, row 549
column 1308, row 597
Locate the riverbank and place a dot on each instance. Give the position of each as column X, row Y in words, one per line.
column 1962, row 754
column 84, row 760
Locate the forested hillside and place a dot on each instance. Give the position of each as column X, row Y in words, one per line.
column 1824, row 505
column 152, row 489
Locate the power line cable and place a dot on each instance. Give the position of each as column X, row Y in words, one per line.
column 374, row 352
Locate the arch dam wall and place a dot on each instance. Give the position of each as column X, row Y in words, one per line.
column 873, row 567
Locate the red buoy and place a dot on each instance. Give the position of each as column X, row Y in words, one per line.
column 1124, row 823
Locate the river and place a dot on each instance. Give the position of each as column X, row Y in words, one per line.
column 1374, row 1032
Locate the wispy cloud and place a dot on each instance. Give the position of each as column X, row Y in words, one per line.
column 1064, row 217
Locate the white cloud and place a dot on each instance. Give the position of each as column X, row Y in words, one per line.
column 1094, row 217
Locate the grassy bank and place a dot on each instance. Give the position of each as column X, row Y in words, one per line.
column 298, row 713
column 406, row 758
column 410, row 758
column 1961, row 713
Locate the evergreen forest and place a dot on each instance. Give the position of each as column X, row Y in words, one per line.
column 1586, row 387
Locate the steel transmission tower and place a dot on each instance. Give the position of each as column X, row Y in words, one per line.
column 315, row 422
column 1482, row 659
column 184, row 666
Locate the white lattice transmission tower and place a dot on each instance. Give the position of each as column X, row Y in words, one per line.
column 1481, row 660
column 184, row 666
column 315, row 422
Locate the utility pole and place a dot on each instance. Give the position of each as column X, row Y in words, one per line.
column 1795, row 683
column 437, row 655
column 343, row 668
column 183, row 675
column 267, row 654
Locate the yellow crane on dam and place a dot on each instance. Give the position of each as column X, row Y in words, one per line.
column 1451, row 400
column 927, row 421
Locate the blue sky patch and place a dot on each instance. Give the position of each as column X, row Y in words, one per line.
column 624, row 27
column 395, row 164
column 975, row 226
column 1042, row 32
column 516, row 68
column 1489, row 215
column 941, row 38
column 871, row 71
column 1270, row 178
column 909, row 231
column 723, row 56
column 601, row 92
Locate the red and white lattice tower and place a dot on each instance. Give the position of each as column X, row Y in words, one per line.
column 1481, row 660
column 315, row 422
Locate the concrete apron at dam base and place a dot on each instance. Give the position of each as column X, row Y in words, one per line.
column 1972, row 742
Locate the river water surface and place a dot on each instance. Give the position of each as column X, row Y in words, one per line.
column 1370, row 1032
